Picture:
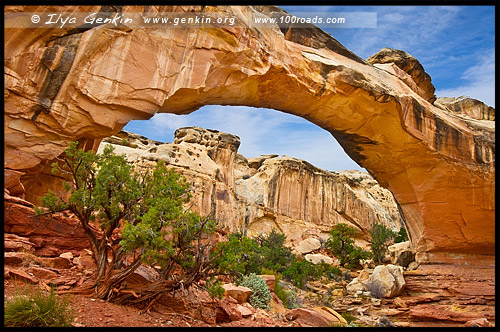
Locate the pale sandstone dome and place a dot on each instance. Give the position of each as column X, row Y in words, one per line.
column 87, row 84
column 269, row 192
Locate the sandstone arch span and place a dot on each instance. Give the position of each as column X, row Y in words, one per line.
column 63, row 84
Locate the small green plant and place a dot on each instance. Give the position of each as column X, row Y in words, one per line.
column 401, row 235
column 292, row 300
column 37, row 309
column 240, row 256
column 341, row 243
column 300, row 272
column 261, row 295
column 348, row 316
column 215, row 289
column 275, row 255
column 381, row 236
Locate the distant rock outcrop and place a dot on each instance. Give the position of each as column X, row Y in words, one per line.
column 470, row 107
column 257, row 195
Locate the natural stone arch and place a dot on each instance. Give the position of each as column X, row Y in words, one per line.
column 64, row 85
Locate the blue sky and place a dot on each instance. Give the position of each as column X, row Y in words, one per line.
column 455, row 44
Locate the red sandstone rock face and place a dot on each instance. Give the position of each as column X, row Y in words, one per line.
column 50, row 236
column 62, row 86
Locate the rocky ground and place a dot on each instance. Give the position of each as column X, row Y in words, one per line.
column 426, row 295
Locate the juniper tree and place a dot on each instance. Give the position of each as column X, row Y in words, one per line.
column 130, row 217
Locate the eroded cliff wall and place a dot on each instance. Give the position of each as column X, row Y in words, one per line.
column 257, row 195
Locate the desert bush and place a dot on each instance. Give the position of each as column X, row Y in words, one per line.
column 376, row 289
column 300, row 272
column 261, row 295
column 242, row 255
column 380, row 238
column 341, row 243
column 108, row 195
column 37, row 309
column 347, row 276
column 401, row 235
column 239, row 256
column 348, row 316
column 275, row 255
column 355, row 256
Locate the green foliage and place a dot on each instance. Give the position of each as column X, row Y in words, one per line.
column 401, row 235
column 381, row 235
column 355, row 256
column 261, row 295
column 329, row 271
column 300, row 272
column 148, row 206
column 37, row 309
column 243, row 255
column 240, row 255
column 215, row 289
column 341, row 243
column 348, row 316
column 275, row 256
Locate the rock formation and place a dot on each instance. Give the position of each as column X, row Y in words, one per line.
column 87, row 83
column 257, row 195
column 466, row 106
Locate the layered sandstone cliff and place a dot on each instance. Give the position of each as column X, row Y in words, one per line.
column 87, row 83
column 257, row 195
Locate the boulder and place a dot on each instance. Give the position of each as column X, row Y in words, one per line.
column 20, row 275
column 240, row 293
column 308, row 245
column 317, row 317
column 270, row 281
column 13, row 258
column 318, row 258
column 479, row 322
column 386, row 281
column 13, row 242
column 41, row 273
column 401, row 253
column 227, row 311
column 67, row 255
column 50, row 236
column 355, row 286
column 245, row 309
column 58, row 262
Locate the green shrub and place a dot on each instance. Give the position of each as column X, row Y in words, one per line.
column 37, row 309
column 355, row 256
column 261, row 295
column 275, row 256
column 341, row 243
column 240, row 256
column 244, row 255
column 330, row 271
column 381, row 235
column 401, row 235
column 300, row 272
column 215, row 289
column 292, row 300
column 348, row 316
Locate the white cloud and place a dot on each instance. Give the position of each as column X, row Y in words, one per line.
column 479, row 78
